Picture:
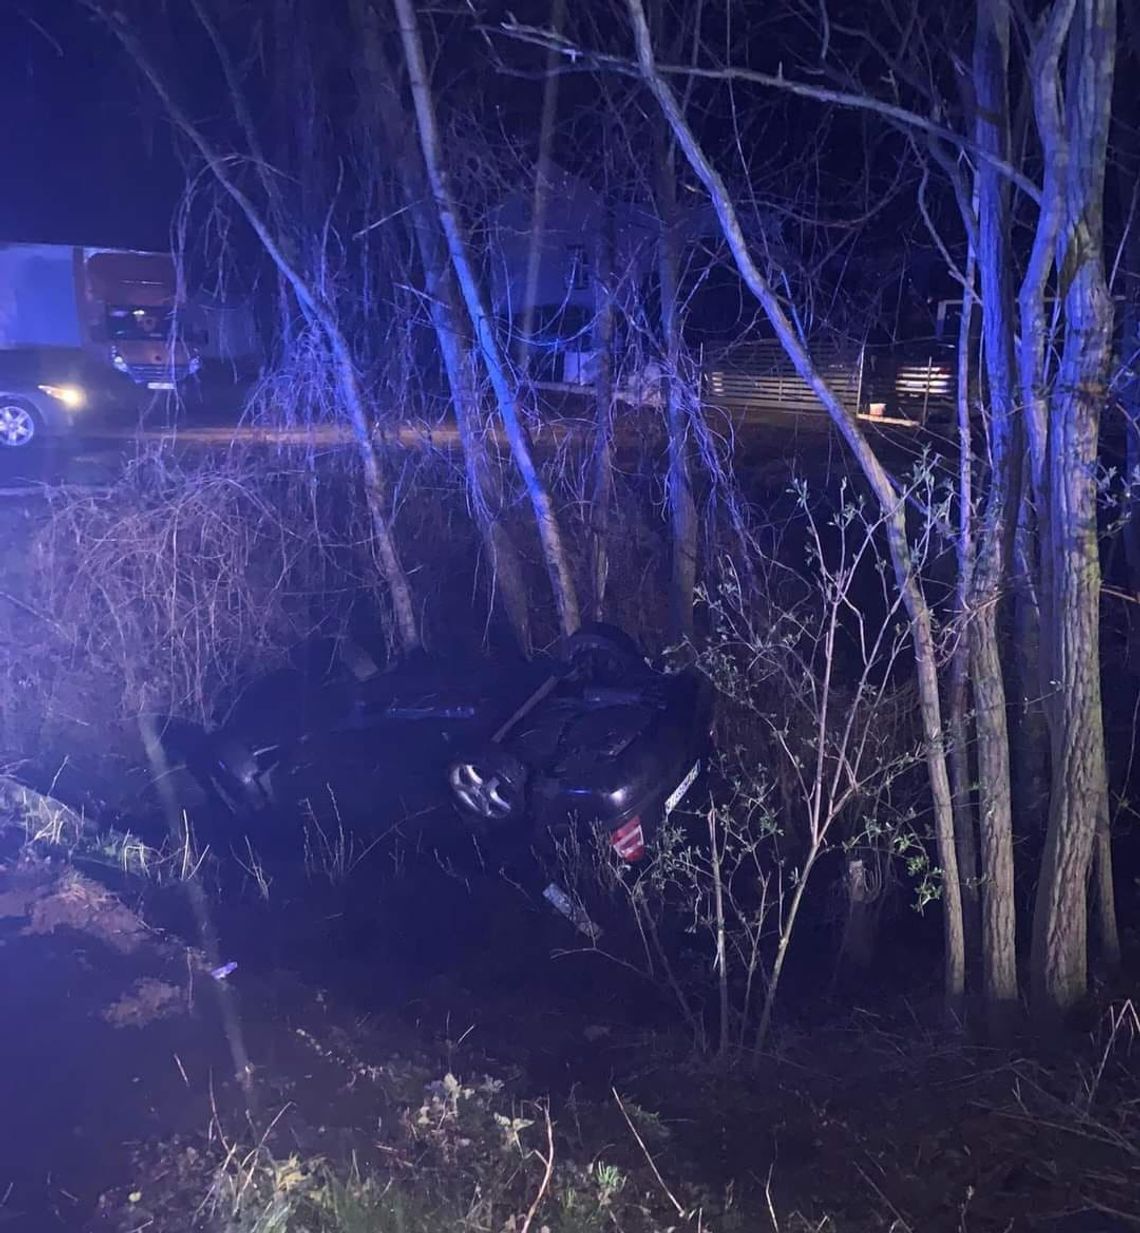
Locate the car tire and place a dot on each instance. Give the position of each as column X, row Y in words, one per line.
column 599, row 643
column 489, row 788
column 20, row 424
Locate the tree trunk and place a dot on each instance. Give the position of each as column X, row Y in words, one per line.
column 889, row 501
column 965, row 837
column 857, row 947
column 999, row 955
column 1079, row 787
column 682, row 506
column 1034, row 615
column 602, row 487
column 460, row 364
column 506, row 392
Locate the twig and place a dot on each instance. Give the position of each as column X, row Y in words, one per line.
column 878, row 1190
column 768, row 1200
column 652, row 1163
column 548, row 1160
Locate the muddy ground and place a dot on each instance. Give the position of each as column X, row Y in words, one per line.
column 352, row 1001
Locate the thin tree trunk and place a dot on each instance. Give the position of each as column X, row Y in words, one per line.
column 460, row 363
column 716, row 855
column 1079, row 788
column 787, row 928
column 999, row 954
column 1034, row 613
column 889, row 500
column 602, row 486
column 321, row 315
column 965, row 823
column 965, row 838
column 506, row 393
column 679, row 483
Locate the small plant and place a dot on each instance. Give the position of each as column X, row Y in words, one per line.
column 610, row 1182
column 253, row 867
column 512, row 1127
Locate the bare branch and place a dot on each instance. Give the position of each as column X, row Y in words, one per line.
column 584, row 60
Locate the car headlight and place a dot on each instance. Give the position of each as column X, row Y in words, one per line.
column 118, row 361
column 71, row 396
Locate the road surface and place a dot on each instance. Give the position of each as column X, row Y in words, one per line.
column 96, row 459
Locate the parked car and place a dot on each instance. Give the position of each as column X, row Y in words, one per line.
column 48, row 393
column 525, row 752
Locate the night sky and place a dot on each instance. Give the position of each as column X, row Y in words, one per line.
column 86, row 156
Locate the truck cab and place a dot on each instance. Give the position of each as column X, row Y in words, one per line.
column 131, row 302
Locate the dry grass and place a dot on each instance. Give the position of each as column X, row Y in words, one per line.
column 183, row 575
column 166, row 592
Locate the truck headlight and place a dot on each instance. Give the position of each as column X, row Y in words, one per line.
column 71, row 396
column 118, row 361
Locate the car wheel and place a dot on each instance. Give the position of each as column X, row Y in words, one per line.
column 604, row 652
column 489, row 787
column 19, row 424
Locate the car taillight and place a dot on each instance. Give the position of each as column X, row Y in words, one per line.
column 629, row 841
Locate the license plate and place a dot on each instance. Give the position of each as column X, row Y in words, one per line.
column 676, row 796
column 160, row 385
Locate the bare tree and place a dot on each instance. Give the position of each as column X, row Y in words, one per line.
column 991, row 569
column 317, row 309
column 453, row 335
column 1064, row 454
column 490, row 347
column 958, row 691
column 886, row 494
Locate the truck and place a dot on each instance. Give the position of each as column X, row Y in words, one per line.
column 119, row 306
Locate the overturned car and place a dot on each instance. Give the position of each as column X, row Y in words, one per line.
column 593, row 738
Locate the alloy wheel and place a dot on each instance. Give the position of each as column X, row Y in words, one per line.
column 482, row 792
column 17, row 425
